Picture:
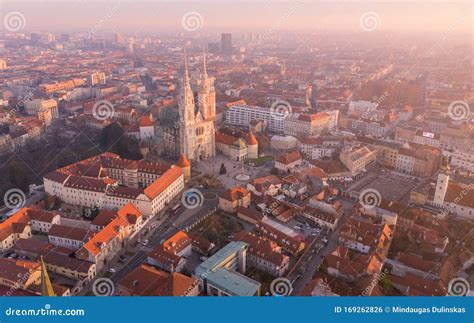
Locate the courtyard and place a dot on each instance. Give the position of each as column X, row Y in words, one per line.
column 390, row 185
column 233, row 168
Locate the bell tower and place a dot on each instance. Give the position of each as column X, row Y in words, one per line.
column 207, row 93
column 442, row 182
column 186, row 98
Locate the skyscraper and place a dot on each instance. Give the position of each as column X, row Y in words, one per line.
column 119, row 39
column 314, row 97
column 226, row 43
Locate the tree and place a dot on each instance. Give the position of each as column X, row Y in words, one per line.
column 385, row 282
column 274, row 171
column 222, row 170
column 111, row 136
column 114, row 139
column 90, row 213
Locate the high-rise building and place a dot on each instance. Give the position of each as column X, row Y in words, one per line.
column 314, row 97
column 49, row 38
column 35, row 38
column 226, row 43
column 119, row 39
column 243, row 115
column 196, row 132
column 65, row 37
column 130, row 43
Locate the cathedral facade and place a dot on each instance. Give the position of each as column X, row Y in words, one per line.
column 196, row 121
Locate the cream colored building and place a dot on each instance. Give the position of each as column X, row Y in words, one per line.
column 233, row 147
column 112, row 182
column 34, row 106
column 111, row 238
column 45, row 115
column 356, row 160
column 196, row 131
column 14, row 228
column 70, row 267
column 234, row 198
column 306, row 124
column 284, row 142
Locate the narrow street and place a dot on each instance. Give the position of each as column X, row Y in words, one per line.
column 312, row 265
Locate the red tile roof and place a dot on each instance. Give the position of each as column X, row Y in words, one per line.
column 183, row 161
column 251, row 140
column 290, row 157
column 148, row 281
column 165, row 180
column 235, row 193
column 145, row 121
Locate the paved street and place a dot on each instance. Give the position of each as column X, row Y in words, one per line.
column 312, row 258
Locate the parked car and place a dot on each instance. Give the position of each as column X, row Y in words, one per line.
column 202, row 258
column 145, row 242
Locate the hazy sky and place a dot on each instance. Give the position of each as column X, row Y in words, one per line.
column 246, row 16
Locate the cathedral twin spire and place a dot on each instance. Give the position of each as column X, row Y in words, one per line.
column 197, row 130
column 187, row 104
column 186, row 69
column 186, row 99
